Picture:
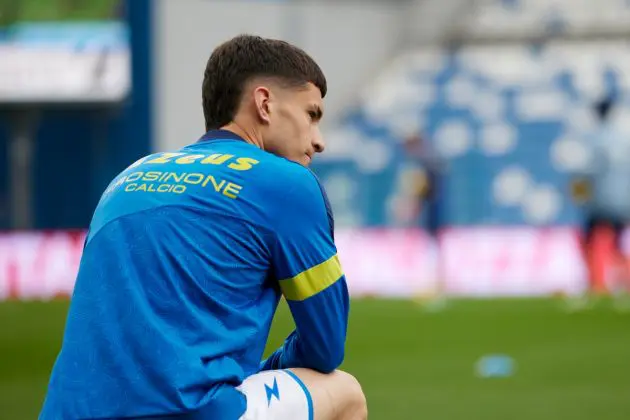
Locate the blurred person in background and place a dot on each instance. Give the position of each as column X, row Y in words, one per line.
column 427, row 181
column 425, row 170
column 189, row 252
column 604, row 190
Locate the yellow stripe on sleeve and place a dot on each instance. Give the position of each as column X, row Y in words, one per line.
column 312, row 281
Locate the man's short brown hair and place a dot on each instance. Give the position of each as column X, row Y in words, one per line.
column 235, row 62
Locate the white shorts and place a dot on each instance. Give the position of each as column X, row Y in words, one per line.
column 276, row 395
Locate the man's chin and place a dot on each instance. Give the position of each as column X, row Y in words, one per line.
column 304, row 161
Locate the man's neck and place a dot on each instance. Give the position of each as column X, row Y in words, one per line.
column 250, row 136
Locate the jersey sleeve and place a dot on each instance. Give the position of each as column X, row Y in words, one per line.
column 311, row 279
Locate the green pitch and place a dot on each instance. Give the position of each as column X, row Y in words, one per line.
column 412, row 364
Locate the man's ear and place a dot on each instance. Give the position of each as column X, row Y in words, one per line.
column 261, row 101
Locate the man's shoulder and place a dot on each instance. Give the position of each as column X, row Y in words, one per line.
column 290, row 178
column 296, row 189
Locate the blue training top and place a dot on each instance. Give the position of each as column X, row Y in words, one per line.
column 186, row 258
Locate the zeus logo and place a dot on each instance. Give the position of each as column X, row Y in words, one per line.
column 272, row 392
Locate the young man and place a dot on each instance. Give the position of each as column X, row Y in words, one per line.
column 604, row 187
column 189, row 252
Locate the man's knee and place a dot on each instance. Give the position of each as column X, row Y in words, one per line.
column 353, row 405
column 336, row 396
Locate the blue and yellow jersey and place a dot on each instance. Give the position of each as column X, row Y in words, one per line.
column 185, row 261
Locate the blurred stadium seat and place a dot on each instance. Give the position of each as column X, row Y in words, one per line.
column 529, row 17
column 509, row 118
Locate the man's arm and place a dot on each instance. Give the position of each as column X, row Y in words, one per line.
column 311, row 279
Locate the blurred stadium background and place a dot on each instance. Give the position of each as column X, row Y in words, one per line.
column 461, row 308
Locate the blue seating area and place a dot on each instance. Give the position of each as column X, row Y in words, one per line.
column 509, row 120
column 526, row 17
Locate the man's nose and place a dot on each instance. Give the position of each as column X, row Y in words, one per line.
column 318, row 142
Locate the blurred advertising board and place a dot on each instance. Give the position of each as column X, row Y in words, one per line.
column 476, row 262
column 512, row 261
column 39, row 265
column 64, row 63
